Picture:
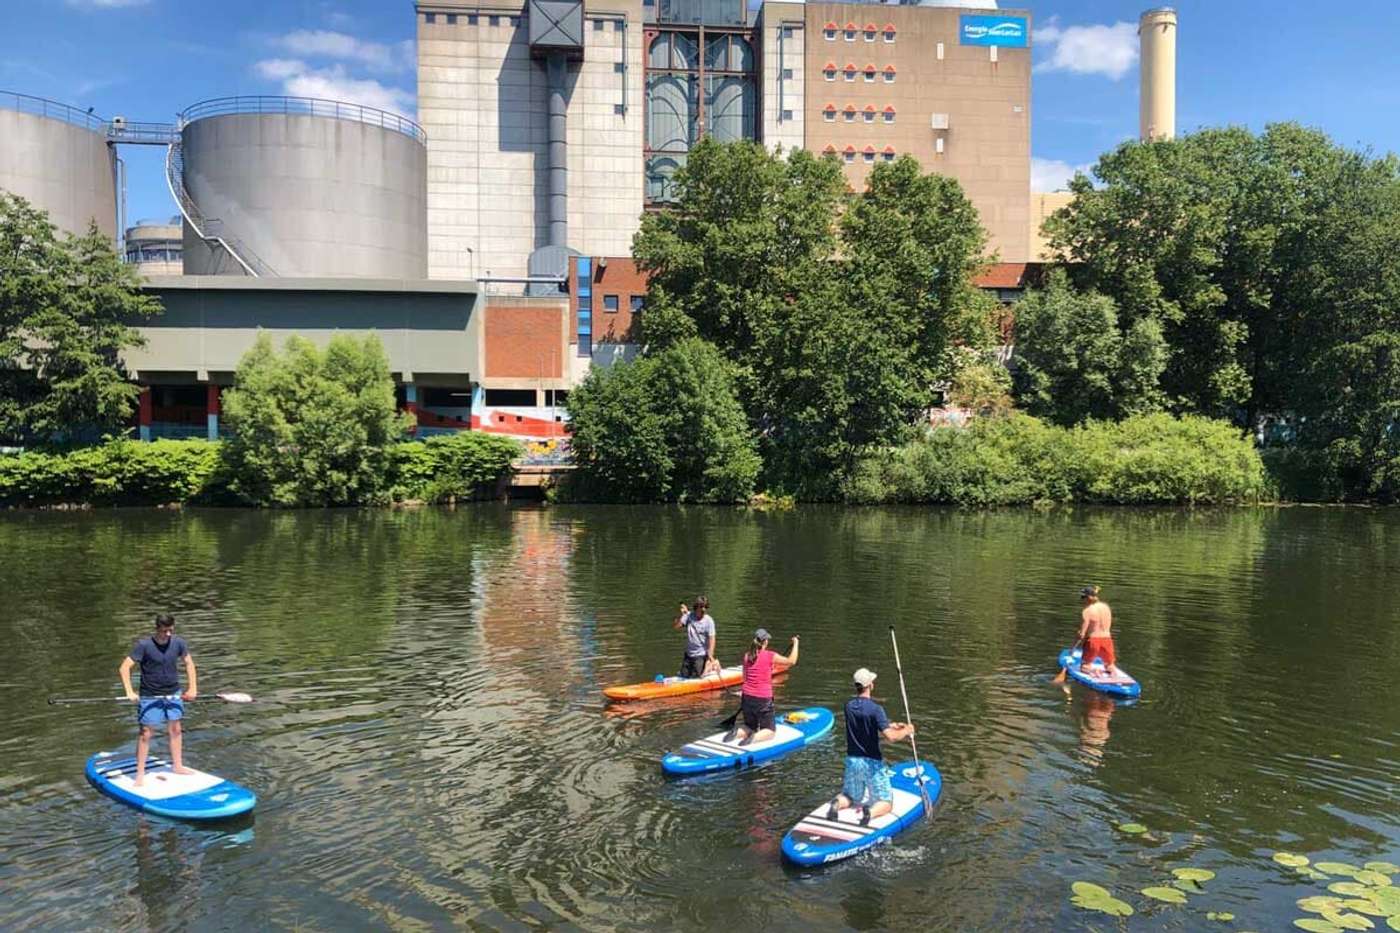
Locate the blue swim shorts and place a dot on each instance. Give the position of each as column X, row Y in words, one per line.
column 157, row 711
column 866, row 782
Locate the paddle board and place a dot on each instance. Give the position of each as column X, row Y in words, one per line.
column 193, row 796
column 675, row 686
column 792, row 731
column 816, row 840
column 1119, row 684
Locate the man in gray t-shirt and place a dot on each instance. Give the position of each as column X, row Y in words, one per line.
column 699, row 628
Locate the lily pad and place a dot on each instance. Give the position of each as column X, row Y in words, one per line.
column 1222, row 916
column 1387, row 899
column 1349, row 888
column 1132, row 829
column 1347, row 921
column 1363, row 906
column 1169, row 895
column 1312, row 874
column 1315, row 925
column 1375, row 879
column 1091, row 896
column 1189, row 887
column 1290, row 859
column 1385, row 868
column 1193, row 874
column 1393, row 922
column 1089, row 889
column 1316, row 905
column 1336, row 868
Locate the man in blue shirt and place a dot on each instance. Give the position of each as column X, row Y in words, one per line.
column 160, row 700
column 866, row 784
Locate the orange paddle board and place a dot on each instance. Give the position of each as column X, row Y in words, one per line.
column 675, row 686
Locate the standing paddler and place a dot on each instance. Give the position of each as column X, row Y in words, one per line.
column 160, row 701
column 699, row 659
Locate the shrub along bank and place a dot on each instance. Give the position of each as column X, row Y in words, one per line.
column 1150, row 459
column 127, row 472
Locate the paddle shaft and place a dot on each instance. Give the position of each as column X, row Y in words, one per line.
column 919, row 769
column 227, row 697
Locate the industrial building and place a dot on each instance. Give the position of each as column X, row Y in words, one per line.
column 488, row 242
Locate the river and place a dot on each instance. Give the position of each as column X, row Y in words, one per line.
column 431, row 748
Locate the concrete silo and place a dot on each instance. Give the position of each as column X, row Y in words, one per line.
column 279, row 186
column 1157, row 106
column 57, row 157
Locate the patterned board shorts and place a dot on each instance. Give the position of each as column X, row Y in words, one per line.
column 866, row 776
column 157, row 711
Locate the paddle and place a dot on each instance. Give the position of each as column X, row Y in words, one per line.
column 1064, row 671
column 226, row 697
column 928, row 804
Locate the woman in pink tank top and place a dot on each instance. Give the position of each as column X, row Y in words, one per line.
column 756, row 704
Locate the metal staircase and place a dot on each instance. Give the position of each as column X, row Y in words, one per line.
column 208, row 229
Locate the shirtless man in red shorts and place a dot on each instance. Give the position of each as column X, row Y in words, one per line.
column 1096, row 635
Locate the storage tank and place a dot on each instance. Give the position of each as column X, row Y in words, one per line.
column 1157, row 105
column 57, row 157
column 302, row 187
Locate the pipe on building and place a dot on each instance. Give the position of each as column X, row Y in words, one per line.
column 1157, row 104
column 558, row 69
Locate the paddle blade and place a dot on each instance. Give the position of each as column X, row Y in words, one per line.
column 234, row 697
column 729, row 723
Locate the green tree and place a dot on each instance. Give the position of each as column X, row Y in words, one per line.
column 835, row 308
column 668, row 426
column 312, row 427
column 1073, row 362
column 67, row 305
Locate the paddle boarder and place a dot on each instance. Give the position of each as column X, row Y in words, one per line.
column 699, row 659
column 1096, row 632
column 160, row 701
column 756, row 700
column 866, row 783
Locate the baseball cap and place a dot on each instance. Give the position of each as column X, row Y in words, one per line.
column 1089, row 591
column 761, row 634
column 864, row 677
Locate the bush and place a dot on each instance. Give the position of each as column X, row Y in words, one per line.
column 119, row 472
column 665, row 427
column 312, row 426
column 464, row 465
column 1150, row 459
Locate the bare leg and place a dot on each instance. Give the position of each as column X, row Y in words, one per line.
column 880, row 808
column 143, row 745
column 176, row 743
column 740, row 732
column 762, row 735
column 841, row 802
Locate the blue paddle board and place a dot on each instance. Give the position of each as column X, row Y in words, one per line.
column 816, row 840
column 193, row 796
column 1118, row 684
column 792, row 731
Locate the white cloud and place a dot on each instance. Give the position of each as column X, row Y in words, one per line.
column 1053, row 174
column 1106, row 50
column 339, row 46
column 298, row 79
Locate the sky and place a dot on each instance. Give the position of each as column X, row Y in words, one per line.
column 1240, row 62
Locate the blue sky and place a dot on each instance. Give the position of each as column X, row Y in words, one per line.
column 1240, row 61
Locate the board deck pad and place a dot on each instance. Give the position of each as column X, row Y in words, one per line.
column 1119, row 684
column 816, row 840
column 675, row 686
column 194, row 796
column 792, row 731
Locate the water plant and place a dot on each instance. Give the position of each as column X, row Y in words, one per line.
column 1168, row 895
column 1091, row 896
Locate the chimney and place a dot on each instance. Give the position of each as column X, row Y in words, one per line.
column 1157, row 107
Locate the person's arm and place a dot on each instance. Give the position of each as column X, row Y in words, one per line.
column 680, row 619
column 781, row 663
column 125, row 671
column 898, row 731
column 1083, row 628
column 192, row 690
column 711, row 651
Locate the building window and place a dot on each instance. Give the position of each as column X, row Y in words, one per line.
column 829, row 115
column 452, row 19
column 829, row 32
column 638, row 302
column 515, row 21
column 870, row 74
column 829, row 72
column 430, row 18
column 870, row 155
column 889, row 156
column 787, row 32
column 598, row 25
column 889, row 114
column 610, row 304
column 585, row 306
column 850, row 72
column 494, row 21
column 850, row 155
column 869, row 116
column 850, row 32
column 850, row 114
column 869, row 33
column 889, row 33
column 787, row 74
column 473, row 19
column 787, row 115
column 889, row 75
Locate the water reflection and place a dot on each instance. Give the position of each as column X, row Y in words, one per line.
column 1094, row 714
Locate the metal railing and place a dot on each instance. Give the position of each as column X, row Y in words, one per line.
column 304, row 106
column 144, row 134
column 208, row 229
column 43, row 107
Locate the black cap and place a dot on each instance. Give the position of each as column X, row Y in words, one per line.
column 1088, row 591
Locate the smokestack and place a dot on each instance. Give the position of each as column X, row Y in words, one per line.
column 1157, row 107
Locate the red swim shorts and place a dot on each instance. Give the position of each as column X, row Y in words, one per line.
column 1100, row 648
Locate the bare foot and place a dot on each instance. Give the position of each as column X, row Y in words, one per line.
column 181, row 769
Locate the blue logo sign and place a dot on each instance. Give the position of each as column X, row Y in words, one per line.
column 1005, row 31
